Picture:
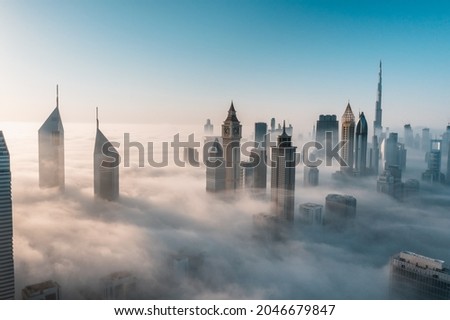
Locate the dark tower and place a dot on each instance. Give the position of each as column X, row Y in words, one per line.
column 361, row 144
column 231, row 136
column 377, row 126
column 283, row 177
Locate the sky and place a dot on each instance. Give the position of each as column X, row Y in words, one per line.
column 184, row 61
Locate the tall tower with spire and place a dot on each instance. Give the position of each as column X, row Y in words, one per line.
column 283, row 177
column 51, row 150
column 231, row 137
column 361, row 145
column 348, row 136
column 6, row 225
column 106, row 169
column 377, row 126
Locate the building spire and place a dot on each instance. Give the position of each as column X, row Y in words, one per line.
column 284, row 127
column 57, row 96
column 96, row 116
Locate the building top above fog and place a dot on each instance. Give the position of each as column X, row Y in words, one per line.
column 53, row 123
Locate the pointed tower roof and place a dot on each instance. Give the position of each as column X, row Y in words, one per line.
column 3, row 147
column 100, row 140
column 362, row 127
column 348, row 115
column 53, row 122
column 232, row 114
column 284, row 140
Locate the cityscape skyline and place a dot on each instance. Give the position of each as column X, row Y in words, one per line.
column 137, row 57
column 238, row 82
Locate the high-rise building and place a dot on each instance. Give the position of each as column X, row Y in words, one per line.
column 327, row 132
column 208, row 128
column 377, row 125
column 283, row 177
column 394, row 152
column 260, row 154
column 260, row 134
column 433, row 173
column 215, row 168
column 6, row 225
column 310, row 176
column 446, row 139
column 51, row 150
column 348, row 137
column 425, row 144
column 375, row 156
column 390, row 182
column 106, row 168
column 417, row 277
column 119, row 286
column 231, row 137
column 409, row 136
column 310, row 214
column 259, row 168
column 48, row 290
column 361, row 145
column 339, row 209
column 448, row 163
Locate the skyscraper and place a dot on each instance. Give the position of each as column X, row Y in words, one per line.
column 106, row 169
column 417, row 277
column 6, row 225
column 208, row 128
column 310, row 176
column 361, row 145
column 409, row 136
column 339, row 209
column 377, row 125
column 260, row 134
column 310, row 213
column 348, row 136
column 448, row 163
column 260, row 153
column 433, row 173
column 327, row 123
column 425, row 144
column 375, row 156
column 51, row 150
column 394, row 152
column 231, row 137
column 215, row 169
column 283, row 177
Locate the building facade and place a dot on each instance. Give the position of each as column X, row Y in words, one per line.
column 348, row 137
column 106, row 170
column 417, row 277
column 51, row 150
column 231, row 137
column 7, row 290
column 361, row 145
column 283, row 177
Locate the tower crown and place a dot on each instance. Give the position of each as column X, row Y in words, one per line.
column 362, row 127
column 348, row 115
column 232, row 114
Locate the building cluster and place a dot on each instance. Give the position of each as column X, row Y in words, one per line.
column 412, row 276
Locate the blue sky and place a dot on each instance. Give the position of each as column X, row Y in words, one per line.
column 183, row 61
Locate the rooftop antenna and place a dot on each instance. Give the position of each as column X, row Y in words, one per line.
column 57, row 96
column 96, row 116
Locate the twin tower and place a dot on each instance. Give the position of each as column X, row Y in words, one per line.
column 51, row 158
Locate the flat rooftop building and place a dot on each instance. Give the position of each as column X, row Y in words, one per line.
column 414, row 276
